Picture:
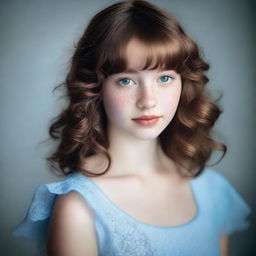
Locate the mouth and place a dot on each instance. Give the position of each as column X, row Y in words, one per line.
column 146, row 120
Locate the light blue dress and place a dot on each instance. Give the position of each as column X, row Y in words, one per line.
column 220, row 212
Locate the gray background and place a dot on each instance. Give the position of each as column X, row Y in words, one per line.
column 37, row 38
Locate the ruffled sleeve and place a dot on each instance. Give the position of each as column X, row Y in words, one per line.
column 232, row 210
column 35, row 224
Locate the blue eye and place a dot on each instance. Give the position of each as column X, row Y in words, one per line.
column 124, row 81
column 165, row 79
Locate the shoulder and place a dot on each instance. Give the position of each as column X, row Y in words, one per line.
column 72, row 205
column 215, row 184
column 212, row 178
column 71, row 227
column 230, row 207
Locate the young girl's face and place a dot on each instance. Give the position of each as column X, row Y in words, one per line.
column 135, row 93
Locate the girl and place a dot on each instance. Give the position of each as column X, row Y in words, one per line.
column 134, row 142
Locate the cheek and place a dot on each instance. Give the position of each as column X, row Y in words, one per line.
column 115, row 104
column 171, row 100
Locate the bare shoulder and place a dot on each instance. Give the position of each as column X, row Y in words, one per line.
column 71, row 228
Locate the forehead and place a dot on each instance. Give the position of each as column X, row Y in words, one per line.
column 141, row 55
column 138, row 54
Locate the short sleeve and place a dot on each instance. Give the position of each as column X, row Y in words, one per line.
column 232, row 210
column 35, row 224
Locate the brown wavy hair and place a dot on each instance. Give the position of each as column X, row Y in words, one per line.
column 100, row 52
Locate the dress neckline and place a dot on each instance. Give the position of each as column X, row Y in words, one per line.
column 139, row 222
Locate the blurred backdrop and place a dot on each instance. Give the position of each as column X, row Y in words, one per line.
column 37, row 41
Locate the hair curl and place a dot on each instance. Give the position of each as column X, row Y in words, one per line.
column 82, row 126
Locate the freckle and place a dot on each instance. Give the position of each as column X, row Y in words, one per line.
column 123, row 100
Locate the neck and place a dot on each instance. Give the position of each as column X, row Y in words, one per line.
column 134, row 156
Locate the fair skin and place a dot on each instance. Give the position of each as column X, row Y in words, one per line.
column 129, row 95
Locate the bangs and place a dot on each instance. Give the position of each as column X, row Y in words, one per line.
column 161, row 52
column 164, row 43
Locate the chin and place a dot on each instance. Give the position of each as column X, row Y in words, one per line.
column 146, row 135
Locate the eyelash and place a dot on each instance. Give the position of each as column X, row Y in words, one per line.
column 169, row 78
column 120, row 80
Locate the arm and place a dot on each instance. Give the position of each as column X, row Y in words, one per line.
column 224, row 246
column 71, row 230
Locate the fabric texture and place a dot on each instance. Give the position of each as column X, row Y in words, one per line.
column 221, row 211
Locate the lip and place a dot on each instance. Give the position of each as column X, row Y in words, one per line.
column 146, row 117
column 147, row 120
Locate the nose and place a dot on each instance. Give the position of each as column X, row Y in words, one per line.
column 146, row 98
